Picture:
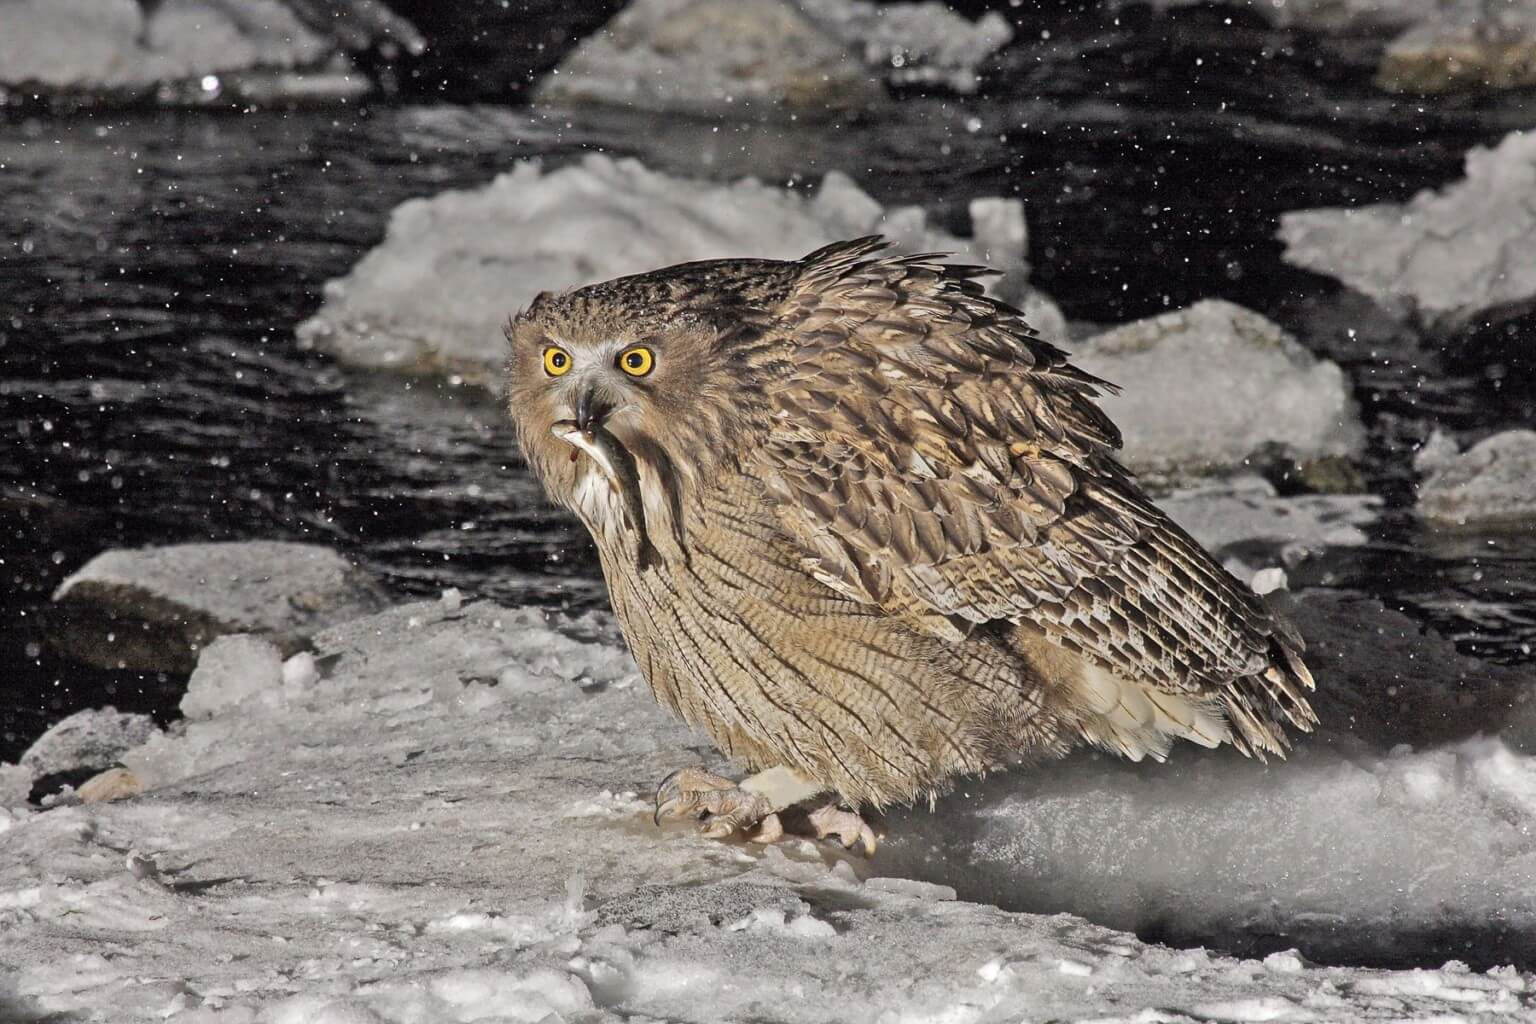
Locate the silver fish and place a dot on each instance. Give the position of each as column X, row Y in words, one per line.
column 623, row 474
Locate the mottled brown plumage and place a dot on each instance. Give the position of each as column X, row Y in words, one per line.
column 892, row 541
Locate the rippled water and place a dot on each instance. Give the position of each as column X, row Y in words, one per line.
column 155, row 265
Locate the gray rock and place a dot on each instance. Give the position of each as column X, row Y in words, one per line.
column 153, row 609
column 195, row 50
column 1493, row 481
column 1207, row 385
column 92, row 739
column 1443, row 258
column 435, row 295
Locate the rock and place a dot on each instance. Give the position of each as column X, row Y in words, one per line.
column 195, row 50
column 87, row 740
column 435, row 295
column 153, row 609
column 1443, row 258
column 1207, row 385
column 722, row 56
column 1493, row 481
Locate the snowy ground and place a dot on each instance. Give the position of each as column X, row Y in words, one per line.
column 442, row 815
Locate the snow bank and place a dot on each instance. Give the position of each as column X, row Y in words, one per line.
column 435, row 295
column 205, row 46
column 714, row 56
column 452, row 824
column 1494, row 480
column 1207, row 385
column 152, row 609
column 1444, row 258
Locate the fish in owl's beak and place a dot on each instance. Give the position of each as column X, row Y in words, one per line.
column 617, row 464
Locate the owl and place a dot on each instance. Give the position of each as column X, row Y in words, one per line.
column 866, row 530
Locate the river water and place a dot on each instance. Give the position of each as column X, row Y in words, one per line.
column 155, row 263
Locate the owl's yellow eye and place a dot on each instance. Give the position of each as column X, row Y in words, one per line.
column 637, row 361
column 557, row 361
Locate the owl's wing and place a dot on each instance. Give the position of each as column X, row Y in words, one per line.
column 933, row 456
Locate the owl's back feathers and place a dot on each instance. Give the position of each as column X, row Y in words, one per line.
column 935, row 458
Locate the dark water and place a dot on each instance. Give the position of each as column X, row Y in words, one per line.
column 153, row 266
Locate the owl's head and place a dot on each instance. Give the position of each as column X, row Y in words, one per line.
column 666, row 364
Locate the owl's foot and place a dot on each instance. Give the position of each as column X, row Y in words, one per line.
column 751, row 808
column 847, row 827
column 721, row 807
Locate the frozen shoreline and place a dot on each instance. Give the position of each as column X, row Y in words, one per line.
column 441, row 813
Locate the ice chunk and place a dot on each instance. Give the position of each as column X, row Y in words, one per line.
column 86, row 740
column 435, row 296
column 230, row 671
column 1443, row 257
column 154, row 608
column 1207, row 385
column 204, row 47
column 708, row 56
column 1245, row 510
column 713, row 56
column 1494, row 480
column 915, row 43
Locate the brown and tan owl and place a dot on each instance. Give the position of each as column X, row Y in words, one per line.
column 866, row 530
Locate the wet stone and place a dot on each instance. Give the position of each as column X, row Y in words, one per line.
column 153, row 609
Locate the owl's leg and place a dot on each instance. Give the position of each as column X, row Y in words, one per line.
column 725, row 808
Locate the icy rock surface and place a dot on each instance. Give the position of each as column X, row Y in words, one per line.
column 1443, row 257
column 1494, row 480
column 90, row 739
column 453, row 825
column 153, row 608
column 123, row 45
column 1207, row 385
column 436, row 294
column 713, row 56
